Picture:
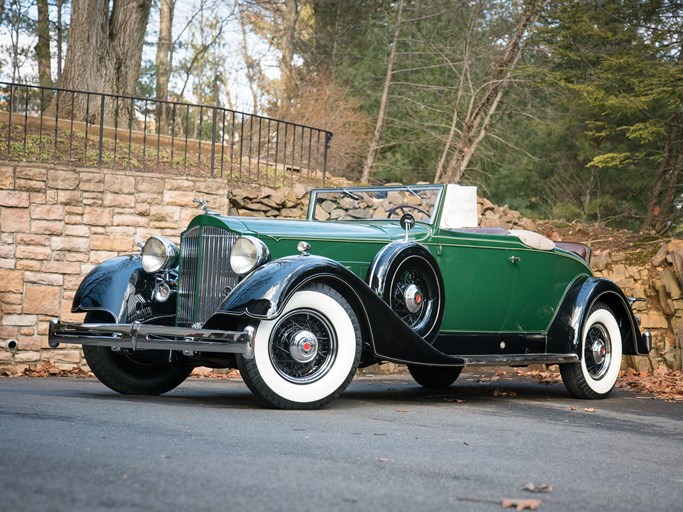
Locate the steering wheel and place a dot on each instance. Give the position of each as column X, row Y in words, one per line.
column 404, row 207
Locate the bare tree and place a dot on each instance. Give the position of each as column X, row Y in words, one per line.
column 382, row 114
column 43, row 46
column 60, row 40
column 250, row 63
column 164, row 60
column 483, row 107
column 281, row 23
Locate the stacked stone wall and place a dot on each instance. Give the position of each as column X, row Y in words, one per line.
column 57, row 223
column 661, row 311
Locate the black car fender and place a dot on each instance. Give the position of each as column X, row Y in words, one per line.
column 108, row 286
column 564, row 335
column 264, row 293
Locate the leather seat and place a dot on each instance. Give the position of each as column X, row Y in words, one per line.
column 581, row 250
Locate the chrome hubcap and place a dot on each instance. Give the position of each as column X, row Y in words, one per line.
column 413, row 298
column 303, row 347
column 598, row 351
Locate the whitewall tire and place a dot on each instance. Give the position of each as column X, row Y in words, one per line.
column 601, row 349
column 307, row 356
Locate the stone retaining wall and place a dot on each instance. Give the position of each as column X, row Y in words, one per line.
column 57, row 223
column 659, row 313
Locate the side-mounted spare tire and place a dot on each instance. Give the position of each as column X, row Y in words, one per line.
column 407, row 277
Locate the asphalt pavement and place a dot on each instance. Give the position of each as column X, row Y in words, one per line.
column 387, row 444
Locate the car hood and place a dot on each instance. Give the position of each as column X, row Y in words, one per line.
column 277, row 229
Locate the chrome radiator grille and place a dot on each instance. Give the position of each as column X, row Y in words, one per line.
column 205, row 273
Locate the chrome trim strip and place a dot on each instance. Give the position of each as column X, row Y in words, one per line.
column 137, row 336
column 505, row 360
column 497, row 360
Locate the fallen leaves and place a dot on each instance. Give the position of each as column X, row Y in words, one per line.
column 546, row 377
column 517, row 504
column 530, row 487
column 49, row 369
column 500, row 392
column 520, row 504
column 663, row 383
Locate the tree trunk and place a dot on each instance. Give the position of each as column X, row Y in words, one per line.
column 287, row 37
column 163, row 60
column 59, row 40
column 654, row 207
column 665, row 222
column 249, row 62
column 104, row 54
column 479, row 118
column 382, row 114
column 43, row 46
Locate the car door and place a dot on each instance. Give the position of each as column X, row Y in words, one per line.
column 541, row 279
column 478, row 278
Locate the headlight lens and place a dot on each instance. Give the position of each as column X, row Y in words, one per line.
column 159, row 254
column 247, row 254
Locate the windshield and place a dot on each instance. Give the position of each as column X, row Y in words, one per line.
column 364, row 203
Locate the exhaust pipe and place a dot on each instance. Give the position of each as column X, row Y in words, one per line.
column 11, row 345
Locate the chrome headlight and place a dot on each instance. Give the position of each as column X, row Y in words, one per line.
column 159, row 254
column 247, row 254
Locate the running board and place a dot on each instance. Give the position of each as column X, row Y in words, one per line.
column 523, row 360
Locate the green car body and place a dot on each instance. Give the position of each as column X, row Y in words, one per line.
column 352, row 285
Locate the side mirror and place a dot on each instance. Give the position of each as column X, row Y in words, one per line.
column 407, row 222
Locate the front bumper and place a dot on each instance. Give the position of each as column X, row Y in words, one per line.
column 138, row 336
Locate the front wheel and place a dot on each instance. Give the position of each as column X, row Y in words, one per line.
column 306, row 357
column 135, row 374
column 437, row 377
column 601, row 347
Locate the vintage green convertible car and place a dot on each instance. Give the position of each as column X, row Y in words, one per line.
column 397, row 273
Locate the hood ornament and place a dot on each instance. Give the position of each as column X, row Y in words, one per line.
column 204, row 205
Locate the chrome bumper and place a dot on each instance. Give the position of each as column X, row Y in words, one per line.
column 137, row 336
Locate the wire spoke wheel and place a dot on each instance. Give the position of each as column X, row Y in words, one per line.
column 601, row 347
column 597, row 351
column 413, row 294
column 303, row 346
column 306, row 357
column 408, row 296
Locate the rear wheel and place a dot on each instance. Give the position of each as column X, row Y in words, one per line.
column 434, row 376
column 601, row 347
column 306, row 357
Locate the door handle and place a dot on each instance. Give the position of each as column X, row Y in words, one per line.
column 515, row 259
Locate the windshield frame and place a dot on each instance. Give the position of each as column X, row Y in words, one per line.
column 439, row 188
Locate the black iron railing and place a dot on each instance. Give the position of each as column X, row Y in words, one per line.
column 94, row 129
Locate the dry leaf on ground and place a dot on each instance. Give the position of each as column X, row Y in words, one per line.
column 520, row 504
column 530, row 487
column 500, row 392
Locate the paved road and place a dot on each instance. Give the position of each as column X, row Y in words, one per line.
column 73, row 445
